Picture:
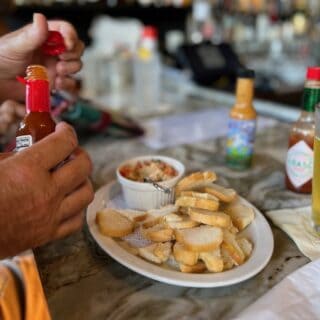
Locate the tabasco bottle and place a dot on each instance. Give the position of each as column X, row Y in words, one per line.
column 38, row 122
column 242, row 123
column 299, row 162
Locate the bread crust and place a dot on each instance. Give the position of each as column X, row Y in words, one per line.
column 217, row 219
column 197, row 203
column 223, row 194
column 184, row 256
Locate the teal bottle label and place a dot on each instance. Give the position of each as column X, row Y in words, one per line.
column 240, row 142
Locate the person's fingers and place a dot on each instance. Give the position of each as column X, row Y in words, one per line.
column 31, row 37
column 75, row 54
column 12, row 107
column 69, row 226
column 76, row 201
column 20, row 110
column 54, row 148
column 65, row 83
column 7, row 117
column 68, row 32
column 65, row 68
column 74, row 172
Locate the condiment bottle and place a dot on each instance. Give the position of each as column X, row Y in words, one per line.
column 299, row 162
column 242, row 123
column 38, row 122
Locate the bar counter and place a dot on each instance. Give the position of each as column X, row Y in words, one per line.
column 83, row 282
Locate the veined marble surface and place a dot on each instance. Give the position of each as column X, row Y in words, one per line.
column 82, row 282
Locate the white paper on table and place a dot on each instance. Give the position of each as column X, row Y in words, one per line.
column 297, row 297
column 191, row 127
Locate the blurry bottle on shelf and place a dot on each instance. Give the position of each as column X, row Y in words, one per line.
column 299, row 162
column 147, row 73
column 242, row 123
column 200, row 24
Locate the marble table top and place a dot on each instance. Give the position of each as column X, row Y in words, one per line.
column 82, row 282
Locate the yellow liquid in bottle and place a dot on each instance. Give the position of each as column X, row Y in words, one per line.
column 316, row 186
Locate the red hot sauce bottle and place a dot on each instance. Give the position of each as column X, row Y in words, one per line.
column 38, row 122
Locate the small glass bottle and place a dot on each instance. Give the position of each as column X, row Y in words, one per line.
column 37, row 122
column 299, row 162
column 242, row 123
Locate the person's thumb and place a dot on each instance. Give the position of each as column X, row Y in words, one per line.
column 32, row 36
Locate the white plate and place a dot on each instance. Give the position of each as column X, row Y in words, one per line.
column 258, row 232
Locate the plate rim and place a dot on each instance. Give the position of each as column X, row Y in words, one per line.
column 155, row 272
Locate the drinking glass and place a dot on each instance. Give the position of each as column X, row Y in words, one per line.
column 316, row 174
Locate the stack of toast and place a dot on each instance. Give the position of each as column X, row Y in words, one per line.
column 199, row 233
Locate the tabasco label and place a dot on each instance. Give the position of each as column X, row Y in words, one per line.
column 299, row 164
column 23, row 142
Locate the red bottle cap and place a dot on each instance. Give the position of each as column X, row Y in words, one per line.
column 313, row 73
column 150, row 32
column 54, row 45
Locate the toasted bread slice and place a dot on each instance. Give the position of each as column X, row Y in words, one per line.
column 126, row 246
column 133, row 215
column 158, row 233
column 206, row 204
column 197, row 268
column 171, row 217
column 246, row 246
column 223, row 194
column 203, row 238
column 212, row 260
column 148, row 253
column 163, row 250
column 184, row 223
column 170, row 208
column 228, row 262
column 241, row 215
column 233, row 229
column 231, row 245
column 199, row 195
column 113, row 224
column 217, row 219
column 195, row 181
column 184, row 256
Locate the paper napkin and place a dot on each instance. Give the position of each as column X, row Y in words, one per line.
column 297, row 224
column 296, row 297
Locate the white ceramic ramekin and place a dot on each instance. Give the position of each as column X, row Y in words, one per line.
column 143, row 195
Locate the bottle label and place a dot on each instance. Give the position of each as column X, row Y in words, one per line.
column 240, row 141
column 299, row 164
column 23, row 142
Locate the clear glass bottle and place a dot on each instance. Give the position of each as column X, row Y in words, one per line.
column 299, row 162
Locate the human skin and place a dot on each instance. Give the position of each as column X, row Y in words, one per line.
column 22, row 47
column 11, row 112
column 40, row 199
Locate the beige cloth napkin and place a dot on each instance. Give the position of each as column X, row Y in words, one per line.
column 297, row 224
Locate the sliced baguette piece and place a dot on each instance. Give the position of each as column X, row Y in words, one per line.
column 171, row 217
column 241, row 215
column 199, row 195
column 231, row 245
column 184, row 256
column 197, row 268
column 158, row 233
column 212, row 260
column 246, row 246
column 217, row 219
column 170, row 208
column 163, row 250
column 148, row 253
column 184, row 223
column 206, row 204
column 203, row 238
column 133, row 215
column 126, row 246
column 223, row 194
column 195, row 181
column 228, row 262
column 113, row 224
column 233, row 229
column 150, row 221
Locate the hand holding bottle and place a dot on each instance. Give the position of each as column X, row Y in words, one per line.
column 42, row 200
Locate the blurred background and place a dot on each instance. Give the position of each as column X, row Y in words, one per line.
column 202, row 41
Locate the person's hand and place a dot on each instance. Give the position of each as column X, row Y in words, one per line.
column 41, row 200
column 11, row 113
column 21, row 48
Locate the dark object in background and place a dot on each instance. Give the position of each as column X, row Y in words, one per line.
column 87, row 117
column 209, row 62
